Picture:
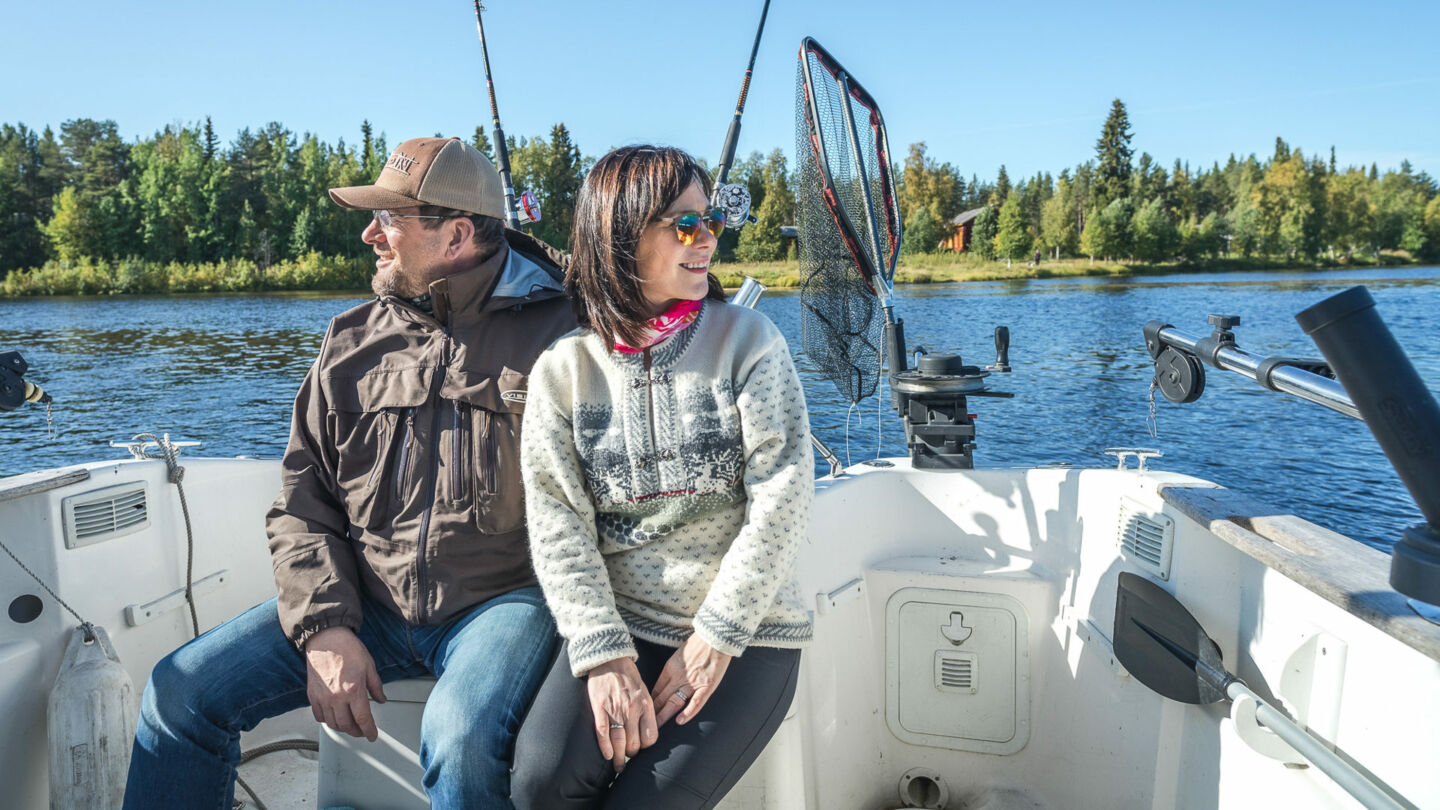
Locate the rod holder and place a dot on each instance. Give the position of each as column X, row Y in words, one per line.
column 1399, row 410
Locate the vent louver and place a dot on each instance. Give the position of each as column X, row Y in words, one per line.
column 1146, row 539
column 105, row 513
column 955, row 672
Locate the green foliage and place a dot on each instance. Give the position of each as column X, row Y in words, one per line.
column 1287, row 202
column 1245, row 229
column 1431, row 220
column 91, row 276
column 1202, row 239
column 922, row 233
column 552, row 170
column 1002, row 189
column 926, row 183
column 1057, row 222
column 1155, row 237
column 1108, row 232
column 983, row 232
column 1112, row 151
column 761, row 241
column 1012, row 237
column 481, row 142
column 1095, row 237
column 88, row 210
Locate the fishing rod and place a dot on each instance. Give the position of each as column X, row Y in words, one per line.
column 526, row 209
column 735, row 197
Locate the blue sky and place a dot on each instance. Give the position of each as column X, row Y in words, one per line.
column 983, row 84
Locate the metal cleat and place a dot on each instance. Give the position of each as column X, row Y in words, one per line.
column 1141, row 454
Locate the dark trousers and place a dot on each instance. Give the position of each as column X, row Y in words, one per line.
column 558, row 765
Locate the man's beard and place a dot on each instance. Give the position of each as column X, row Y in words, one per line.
column 397, row 281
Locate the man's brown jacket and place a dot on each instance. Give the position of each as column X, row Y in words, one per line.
column 402, row 476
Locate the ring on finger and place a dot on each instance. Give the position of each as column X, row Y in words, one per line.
column 682, row 694
column 614, row 726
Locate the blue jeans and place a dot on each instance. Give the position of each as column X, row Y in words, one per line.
column 488, row 662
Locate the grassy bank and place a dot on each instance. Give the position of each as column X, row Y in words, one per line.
column 136, row 277
column 315, row 272
column 950, row 267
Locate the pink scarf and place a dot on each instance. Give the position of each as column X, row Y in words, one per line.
column 671, row 321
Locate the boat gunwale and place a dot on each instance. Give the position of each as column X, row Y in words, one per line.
column 1337, row 568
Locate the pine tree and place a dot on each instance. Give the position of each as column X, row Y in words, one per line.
column 982, row 233
column 1012, row 239
column 1002, row 189
column 922, row 233
column 560, row 180
column 1113, row 153
column 212, row 143
column 367, row 149
column 481, row 142
column 761, row 241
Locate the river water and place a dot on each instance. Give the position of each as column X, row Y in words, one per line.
column 223, row 370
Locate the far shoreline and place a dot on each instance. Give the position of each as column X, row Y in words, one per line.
column 316, row 275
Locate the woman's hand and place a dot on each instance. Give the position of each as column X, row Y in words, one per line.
column 690, row 677
column 624, row 715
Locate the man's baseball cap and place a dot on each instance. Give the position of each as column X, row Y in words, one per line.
column 431, row 171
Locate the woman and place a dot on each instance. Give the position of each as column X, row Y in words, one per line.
column 668, row 484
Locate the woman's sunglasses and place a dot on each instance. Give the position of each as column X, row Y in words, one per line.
column 687, row 224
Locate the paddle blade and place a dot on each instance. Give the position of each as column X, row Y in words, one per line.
column 1163, row 646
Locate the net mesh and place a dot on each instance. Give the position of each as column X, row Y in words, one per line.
column 841, row 319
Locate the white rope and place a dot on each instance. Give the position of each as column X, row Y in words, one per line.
column 860, row 422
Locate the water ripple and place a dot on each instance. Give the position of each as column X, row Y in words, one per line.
column 225, row 369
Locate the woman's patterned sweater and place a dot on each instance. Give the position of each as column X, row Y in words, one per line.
column 668, row 492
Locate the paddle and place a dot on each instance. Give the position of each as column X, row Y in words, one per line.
column 1165, row 648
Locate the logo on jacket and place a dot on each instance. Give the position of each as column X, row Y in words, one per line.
column 518, row 395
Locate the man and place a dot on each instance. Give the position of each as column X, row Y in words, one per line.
column 398, row 539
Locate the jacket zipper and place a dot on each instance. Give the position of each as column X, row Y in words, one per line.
column 390, row 439
column 650, row 415
column 432, row 475
column 457, row 447
column 402, row 472
column 488, row 458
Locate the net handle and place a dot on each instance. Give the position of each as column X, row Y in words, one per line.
column 877, row 278
column 843, row 79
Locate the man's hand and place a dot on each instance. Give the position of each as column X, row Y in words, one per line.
column 620, row 704
column 688, row 680
column 340, row 673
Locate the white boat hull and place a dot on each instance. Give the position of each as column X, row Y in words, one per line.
column 1032, row 710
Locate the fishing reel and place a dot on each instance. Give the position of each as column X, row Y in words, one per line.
column 932, row 399
column 1180, row 365
column 527, row 208
column 14, row 389
column 734, row 199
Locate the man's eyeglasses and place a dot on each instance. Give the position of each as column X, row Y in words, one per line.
column 387, row 219
column 687, row 224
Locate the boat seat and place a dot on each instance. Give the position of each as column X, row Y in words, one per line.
column 385, row 774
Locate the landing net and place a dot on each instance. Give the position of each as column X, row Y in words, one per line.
column 849, row 224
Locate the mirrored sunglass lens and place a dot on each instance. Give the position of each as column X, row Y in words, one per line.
column 715, row 221
column 685, row 227
column 383, row 217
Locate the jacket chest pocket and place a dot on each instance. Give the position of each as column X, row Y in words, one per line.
column 495, row 454
column 375, row 465
column 375, row 423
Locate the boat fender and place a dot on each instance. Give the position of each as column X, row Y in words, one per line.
column 92, row 714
